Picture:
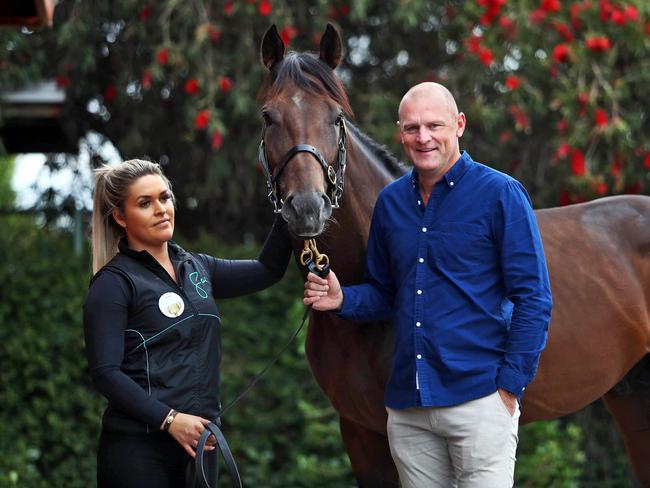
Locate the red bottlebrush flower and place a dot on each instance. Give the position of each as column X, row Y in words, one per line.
column 521, row 119
column 537, row 16
column 564, row 31
column 631, row 13
column 646, row 161
column 191, row 86
column 145, row 13
column 162, row 56
column 214, row 33
column 647, row 28
column 110, row 93
column 486, row 56
column 202, row 118
column 598, row 44
column 583, row 98
column 225, row 84
column 560, row 53
column 147, row 77
column 512, row 82
column 505, row 136
column 62, row 81
column 563, row 150
column 600, row 118
column 578, row 166
column 606, row 10
column 228, row 7
column 217, row 139
column 562, row 126
column 344, row 9
column 288, row 33
column 474, row 44
column 600, row 188
column 265, row 8
column 618, row 17
column 550, row 6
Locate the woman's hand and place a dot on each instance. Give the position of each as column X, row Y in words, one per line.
column 323, row 294
column 187, row 429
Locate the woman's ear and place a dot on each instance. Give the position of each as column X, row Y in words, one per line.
column 119, row 218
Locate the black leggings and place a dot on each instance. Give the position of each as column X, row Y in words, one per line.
column 145, row 460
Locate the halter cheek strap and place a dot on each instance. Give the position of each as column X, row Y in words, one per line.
column 334, row 178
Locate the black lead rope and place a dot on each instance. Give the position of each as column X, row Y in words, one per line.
column 213, row 427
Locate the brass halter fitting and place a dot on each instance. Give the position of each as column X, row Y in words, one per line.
column 310, row 253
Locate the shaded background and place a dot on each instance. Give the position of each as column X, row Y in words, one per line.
column 555, row 94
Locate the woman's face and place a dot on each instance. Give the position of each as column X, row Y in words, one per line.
column 148, row 214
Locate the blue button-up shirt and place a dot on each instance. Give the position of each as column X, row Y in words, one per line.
column 464, row 278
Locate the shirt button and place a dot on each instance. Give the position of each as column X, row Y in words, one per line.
column 419, row 202
column 419, row 292
column 451, row 183
column 421, row 260
column 424, row 229
column 418, row 324
column 419, row 356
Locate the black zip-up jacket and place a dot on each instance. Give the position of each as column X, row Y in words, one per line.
column 154, row 344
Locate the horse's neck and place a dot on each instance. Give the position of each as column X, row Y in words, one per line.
column 347, row 237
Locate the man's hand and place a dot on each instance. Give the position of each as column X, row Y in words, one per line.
column 509, row 400
column 323, row 294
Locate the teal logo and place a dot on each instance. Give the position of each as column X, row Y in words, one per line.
column 197, row 281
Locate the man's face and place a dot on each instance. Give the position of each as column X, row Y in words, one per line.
column 430, row 132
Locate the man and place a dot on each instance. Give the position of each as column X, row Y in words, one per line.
column 456, row 260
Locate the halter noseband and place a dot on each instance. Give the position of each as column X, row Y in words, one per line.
column 334, row 178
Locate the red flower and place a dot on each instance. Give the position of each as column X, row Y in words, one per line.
column 344, row 9
column 562, row 126
column 512, row 82
column 600, row 188
column 217, row 139
column 647, row 28
column 578, row 166
column 227, row 8
column 618, row 17
column 145, row 13
column 225, row 84
column 288, row 33
column 110, row 93
column 631, row 13
column 146, row 79
column 474, row 44
column 505, row 136
column 62, row 81
column 564, row 31
column 486, row 56
column 563, row 150
column 162, row 56
column 600, row 117
column 214, row 33
column 265, row 8
column 646, row 161
column 598, row 44
column 520, row 118
column 606, row 10
column 560, row 53
column 202, row 118
column 583, row 98
column 550, row 6
column 537, row 16
column 191, row 86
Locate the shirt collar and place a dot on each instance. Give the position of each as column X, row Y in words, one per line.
column 453, row 175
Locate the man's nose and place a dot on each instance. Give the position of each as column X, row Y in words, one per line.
column 422, row 135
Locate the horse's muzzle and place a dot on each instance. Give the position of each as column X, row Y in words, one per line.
column 306, row 213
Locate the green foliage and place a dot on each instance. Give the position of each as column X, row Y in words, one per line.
column 6, row 171
column 553, row 456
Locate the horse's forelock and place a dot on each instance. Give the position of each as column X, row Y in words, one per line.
column 307, row 72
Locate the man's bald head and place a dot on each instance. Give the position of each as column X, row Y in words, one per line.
column 430, row 90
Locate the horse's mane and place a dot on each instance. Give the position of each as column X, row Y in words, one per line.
column 306, row 71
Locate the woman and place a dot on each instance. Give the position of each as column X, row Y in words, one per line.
column 152, row 328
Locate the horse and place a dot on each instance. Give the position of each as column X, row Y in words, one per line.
column 598, row 256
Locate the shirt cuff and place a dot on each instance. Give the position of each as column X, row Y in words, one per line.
column 348, row 306
column 511, row 381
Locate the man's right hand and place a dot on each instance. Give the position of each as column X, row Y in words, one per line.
column 323, row 294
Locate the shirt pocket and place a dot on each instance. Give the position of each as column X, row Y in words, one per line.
column 462, row 247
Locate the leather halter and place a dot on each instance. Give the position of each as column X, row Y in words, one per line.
column 333, row 177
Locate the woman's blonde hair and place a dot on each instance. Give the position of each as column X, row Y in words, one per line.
column 111, row 188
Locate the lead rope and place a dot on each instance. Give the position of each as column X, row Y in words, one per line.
column 318, row 264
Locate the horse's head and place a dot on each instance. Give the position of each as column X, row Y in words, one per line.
column 303, row 143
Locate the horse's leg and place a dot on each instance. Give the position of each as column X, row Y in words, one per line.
column 631, row 411
column 372, row 464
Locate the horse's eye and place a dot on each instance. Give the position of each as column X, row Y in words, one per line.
column 267, row 118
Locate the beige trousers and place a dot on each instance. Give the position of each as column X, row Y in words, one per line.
column 468, row 445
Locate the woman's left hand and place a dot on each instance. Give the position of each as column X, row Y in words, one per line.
column 187, row 429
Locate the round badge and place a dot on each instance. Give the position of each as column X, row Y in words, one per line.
column 171, row 305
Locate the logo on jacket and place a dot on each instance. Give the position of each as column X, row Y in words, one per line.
column 197, row 281
column 171, row 305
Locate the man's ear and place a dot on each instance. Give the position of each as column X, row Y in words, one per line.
column 119, row 218
column 462, row 122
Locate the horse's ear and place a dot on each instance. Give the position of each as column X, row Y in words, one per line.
column 330, row 47
column 272, row 47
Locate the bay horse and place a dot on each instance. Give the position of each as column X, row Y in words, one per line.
column 598, row 257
